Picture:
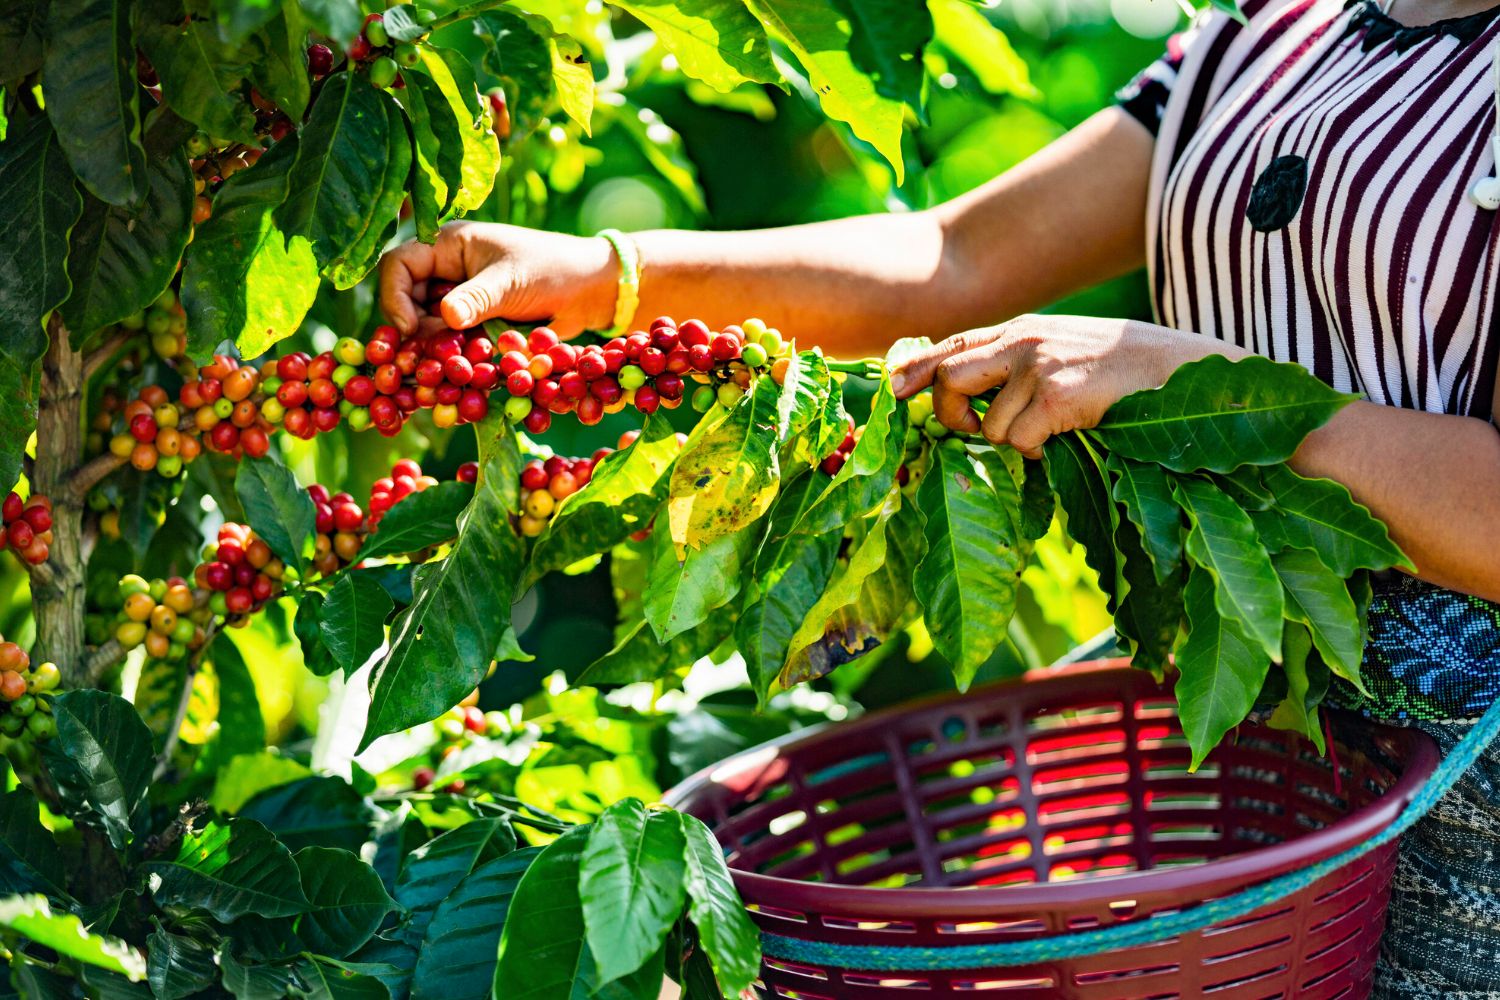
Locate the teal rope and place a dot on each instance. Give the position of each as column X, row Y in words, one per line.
column 895, row 958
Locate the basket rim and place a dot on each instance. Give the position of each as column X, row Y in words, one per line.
column 1420, row 756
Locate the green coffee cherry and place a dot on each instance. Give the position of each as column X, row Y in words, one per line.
column 407, row 54
column 729, row 394
column 41, row 726
column 934, row 428
column 704, row 398
column 134, row 321
column 24, row 705
column 753, row 355
column 383, row 70
column 517, row 407
column 376, row 35
column 632, row 377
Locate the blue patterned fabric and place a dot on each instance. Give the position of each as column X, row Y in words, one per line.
column 1433, row 661
column 1433, row 654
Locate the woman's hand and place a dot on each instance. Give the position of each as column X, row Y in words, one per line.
column 508, row 272
column 1055, row 373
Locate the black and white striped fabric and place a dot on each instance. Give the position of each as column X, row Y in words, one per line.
column 1309, row 195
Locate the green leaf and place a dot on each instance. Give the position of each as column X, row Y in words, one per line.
column 251, row 982
column 177, row 966
column 727, row 477
column 451, row 96
column 23, row 25
column 1306, row 682
column 965, row 33
column 242, row 278
column 349, row 178
column 724, row 930
column 824, row 45
column 91, row 93
column 1319, row 599
column 437, row 163
column 101, row 760
column 1217, row 414
column 827, row 637
column 200, row 75
column 237, row 19
column 867, row 477
column 680, row 592
column 229, row 870
column 338, row 19
column 1222, row 540
column 637, row 656
column 716, row 41
column 887, row 44
column 43, row 203
column 457, row 957
column 120, row 259
column 1083, row 493
column 1038, row 506
column 799, row 409
column 626, row 489
column 967, row 582
column 318, row 811
column 790, row 575
column 442, row 644
column 242, row 727
column 279, row 510
column 1320, row 515
column 1147, row 495
column 29, row 860
column 281, row 71
column 352, row 620
column 519, row 52
column 348, row 901
column 247, row 775
column 1221, row 670
column 434, row 870
column 1149, row 612
column 1230, row 7
column 321, row 979
column 631, row 885
column 546, row 956
column 65, row 934
column 307, row 626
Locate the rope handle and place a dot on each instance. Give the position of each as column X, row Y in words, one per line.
column 1153, row 929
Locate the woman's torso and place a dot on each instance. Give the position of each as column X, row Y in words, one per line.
column 1382, row 276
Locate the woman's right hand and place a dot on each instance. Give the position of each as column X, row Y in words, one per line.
column 506, row 272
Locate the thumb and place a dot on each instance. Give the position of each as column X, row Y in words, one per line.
column 480, row 298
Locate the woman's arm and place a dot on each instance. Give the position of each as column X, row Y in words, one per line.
column 1433, row 479
column 1065, row 219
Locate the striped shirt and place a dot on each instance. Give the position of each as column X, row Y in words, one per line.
column 1309, row 195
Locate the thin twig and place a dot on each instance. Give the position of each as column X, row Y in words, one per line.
column 101, row 659
column 90, row 473
column 101, row 354
column 164, row 759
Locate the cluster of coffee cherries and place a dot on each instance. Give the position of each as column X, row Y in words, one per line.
column 167, row 616
column 649, row 369
column 239, row 572
column 25, row 702
column 342, row 525
column 165, row 322
column 545, row 483
column 447, row 372
column 385, row 57
column 456, row 728
column 26, row 527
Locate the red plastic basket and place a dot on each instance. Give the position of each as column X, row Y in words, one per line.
column 1053, row 804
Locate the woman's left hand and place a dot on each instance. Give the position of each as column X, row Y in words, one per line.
column 1055, row 373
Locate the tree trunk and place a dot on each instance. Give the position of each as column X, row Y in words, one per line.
column 57, row 593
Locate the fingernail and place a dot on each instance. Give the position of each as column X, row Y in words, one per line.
column 898, row 381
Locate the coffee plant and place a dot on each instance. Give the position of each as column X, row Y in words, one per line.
column 222, row 462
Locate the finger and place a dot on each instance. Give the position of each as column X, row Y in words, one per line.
column 917, row 372
column 1013, row 397
column 952, row 408
column 400, row 271
column 480, row 298
column 1030, row 430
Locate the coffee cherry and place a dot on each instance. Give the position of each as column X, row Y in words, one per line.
column 319, row 60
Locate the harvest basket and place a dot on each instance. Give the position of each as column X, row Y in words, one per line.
column 1055, row 804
